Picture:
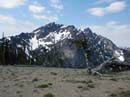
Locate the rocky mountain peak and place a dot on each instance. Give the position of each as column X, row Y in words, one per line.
column 45, row 30
column 88, row 32
column 52, row 25
column 68, row 46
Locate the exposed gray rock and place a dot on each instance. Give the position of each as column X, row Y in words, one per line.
column 66, row 46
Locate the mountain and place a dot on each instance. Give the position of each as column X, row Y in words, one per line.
column 126, row 52
column 57, row 45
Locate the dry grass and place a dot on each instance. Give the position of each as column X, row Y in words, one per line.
column 42, row 82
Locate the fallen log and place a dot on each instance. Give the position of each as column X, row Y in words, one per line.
column 111, row 65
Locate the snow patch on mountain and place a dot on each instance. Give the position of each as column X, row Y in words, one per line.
column 120, row 55
column 34, row 42
column 61, row 35
column 8, row 38
column 63, row 27
column 19, row 46
column 51, row 38
column 58, row 36
column 37, row 31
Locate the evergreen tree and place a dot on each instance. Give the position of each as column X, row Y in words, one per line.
column 83, row 44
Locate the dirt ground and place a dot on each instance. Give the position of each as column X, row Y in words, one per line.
column 39, row 81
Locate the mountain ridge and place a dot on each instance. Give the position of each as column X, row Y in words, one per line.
column 63, row 46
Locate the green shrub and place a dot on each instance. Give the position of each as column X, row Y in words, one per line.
column 43, row 86
column 49, row 95
column 80, row 87
column 50, row 84
column 35, row 79
column 53, row 73
column 113, row 95
column 121, row 94
column 89, row 81
column 114, row 79
column 91, row 85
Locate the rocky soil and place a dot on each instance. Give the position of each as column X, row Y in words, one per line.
column 58, row 82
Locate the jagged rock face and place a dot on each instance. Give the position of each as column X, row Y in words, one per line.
column 45, row 30
column 126, row 52
column 64, row 46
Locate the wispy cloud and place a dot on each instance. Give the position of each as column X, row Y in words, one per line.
column 119, row 33
column 12, row 26
column 97, row 11
column 11, row 3
column 57, row 4
column 105, row 1
column 112, row 8
column 7, row 19
column 36, row 8
column 46, row 18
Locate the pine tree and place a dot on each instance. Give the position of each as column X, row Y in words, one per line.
column 83, row 44
column 3, row 49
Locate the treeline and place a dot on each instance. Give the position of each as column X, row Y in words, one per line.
column 10, row 55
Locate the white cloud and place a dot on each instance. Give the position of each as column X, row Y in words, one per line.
column 106, row 1
column 115, row 31
column 57, row 4
column 116, row 6
column 12, row 26
column 7, row 19
column 97, row 11
column 112, row 8
column 46, row 18
column 11, row 3
column 36, row 8
column 47, row 15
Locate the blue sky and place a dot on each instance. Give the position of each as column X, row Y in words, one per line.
column 110, row 18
